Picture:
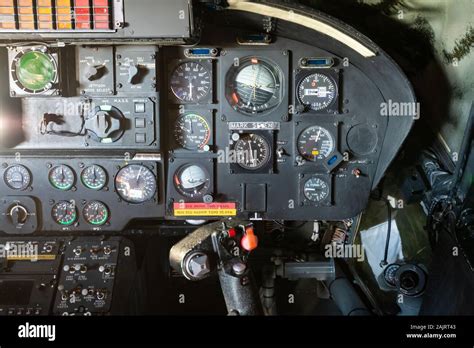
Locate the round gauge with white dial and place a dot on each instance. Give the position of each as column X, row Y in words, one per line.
column 316, row 190
column 17, row 177
column 191, row 82
column 254, row 86
column 316, row 143
column 94, row 177
column 192, row 132
column 252, row 151
column 192, row 180
column 317, row 91
column 96, row 213
column 62, row 177
column 135, row 184
column 64, row 213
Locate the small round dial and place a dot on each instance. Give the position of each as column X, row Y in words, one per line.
column 17, row 177
column 252, row 151
column 192, row 181
column 316, row 143
column 135, row 184
column 192, row 132
column 316, row 190
column 62, row 177
column 254, row 86
column 94, row 177
column 191, row 82
column 64, row 213
column 96, row 213
column 317, row 91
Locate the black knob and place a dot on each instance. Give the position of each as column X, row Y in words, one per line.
column 18, row 215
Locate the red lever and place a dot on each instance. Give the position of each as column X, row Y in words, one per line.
column 249, row 240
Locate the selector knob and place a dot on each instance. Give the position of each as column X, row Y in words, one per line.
column 18, row 215
column 133, row 73
column 94, row 72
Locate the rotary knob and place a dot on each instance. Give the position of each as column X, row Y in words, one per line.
column 18, row 215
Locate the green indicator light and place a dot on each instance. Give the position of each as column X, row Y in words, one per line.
column 35, row 71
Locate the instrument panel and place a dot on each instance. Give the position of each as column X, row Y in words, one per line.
column 282, row 130
column 84, row 194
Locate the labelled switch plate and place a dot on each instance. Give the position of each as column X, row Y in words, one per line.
column 8, row 220
column 136, row 69
column 96, row 71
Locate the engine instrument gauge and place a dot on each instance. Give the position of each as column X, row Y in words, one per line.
column 135, row 184
column 96, row 213
column 17, row 177
column 64, row 213
column 316, row 143
column 316, row 190
column 254, row 86
column 94, row 177
column 62, row 177
column 317, row 91
column 192, row 132
column 192, row 181
column 252, row 151
column 191, row 82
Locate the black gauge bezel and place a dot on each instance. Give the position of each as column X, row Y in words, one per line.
column 269, row 166
column 87, row 205
column 203, row 191
column 305, row 178
column 206, row 115
column 327, row 164
column 208, row 98
column 104, row 184
column 24, row 187
column 76, row 219
column 69, row 168
column 127, row 199
column 245, row 62
column 334, row 75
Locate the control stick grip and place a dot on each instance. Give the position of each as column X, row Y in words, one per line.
column 240, row 294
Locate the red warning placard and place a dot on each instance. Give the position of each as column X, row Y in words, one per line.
column 205, row 209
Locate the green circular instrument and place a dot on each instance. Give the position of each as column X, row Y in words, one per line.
column 36, row 71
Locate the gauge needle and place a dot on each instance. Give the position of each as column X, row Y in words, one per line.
column 139, row 173
column 318, row 136
column 252, row 160
column 191, row 90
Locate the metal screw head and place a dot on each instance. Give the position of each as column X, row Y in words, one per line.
column 239, row 268
column 197, row 266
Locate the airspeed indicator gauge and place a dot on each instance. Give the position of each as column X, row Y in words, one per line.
column 191, row 82
column 316, row 143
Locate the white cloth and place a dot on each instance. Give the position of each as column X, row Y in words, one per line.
column 374, row 240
